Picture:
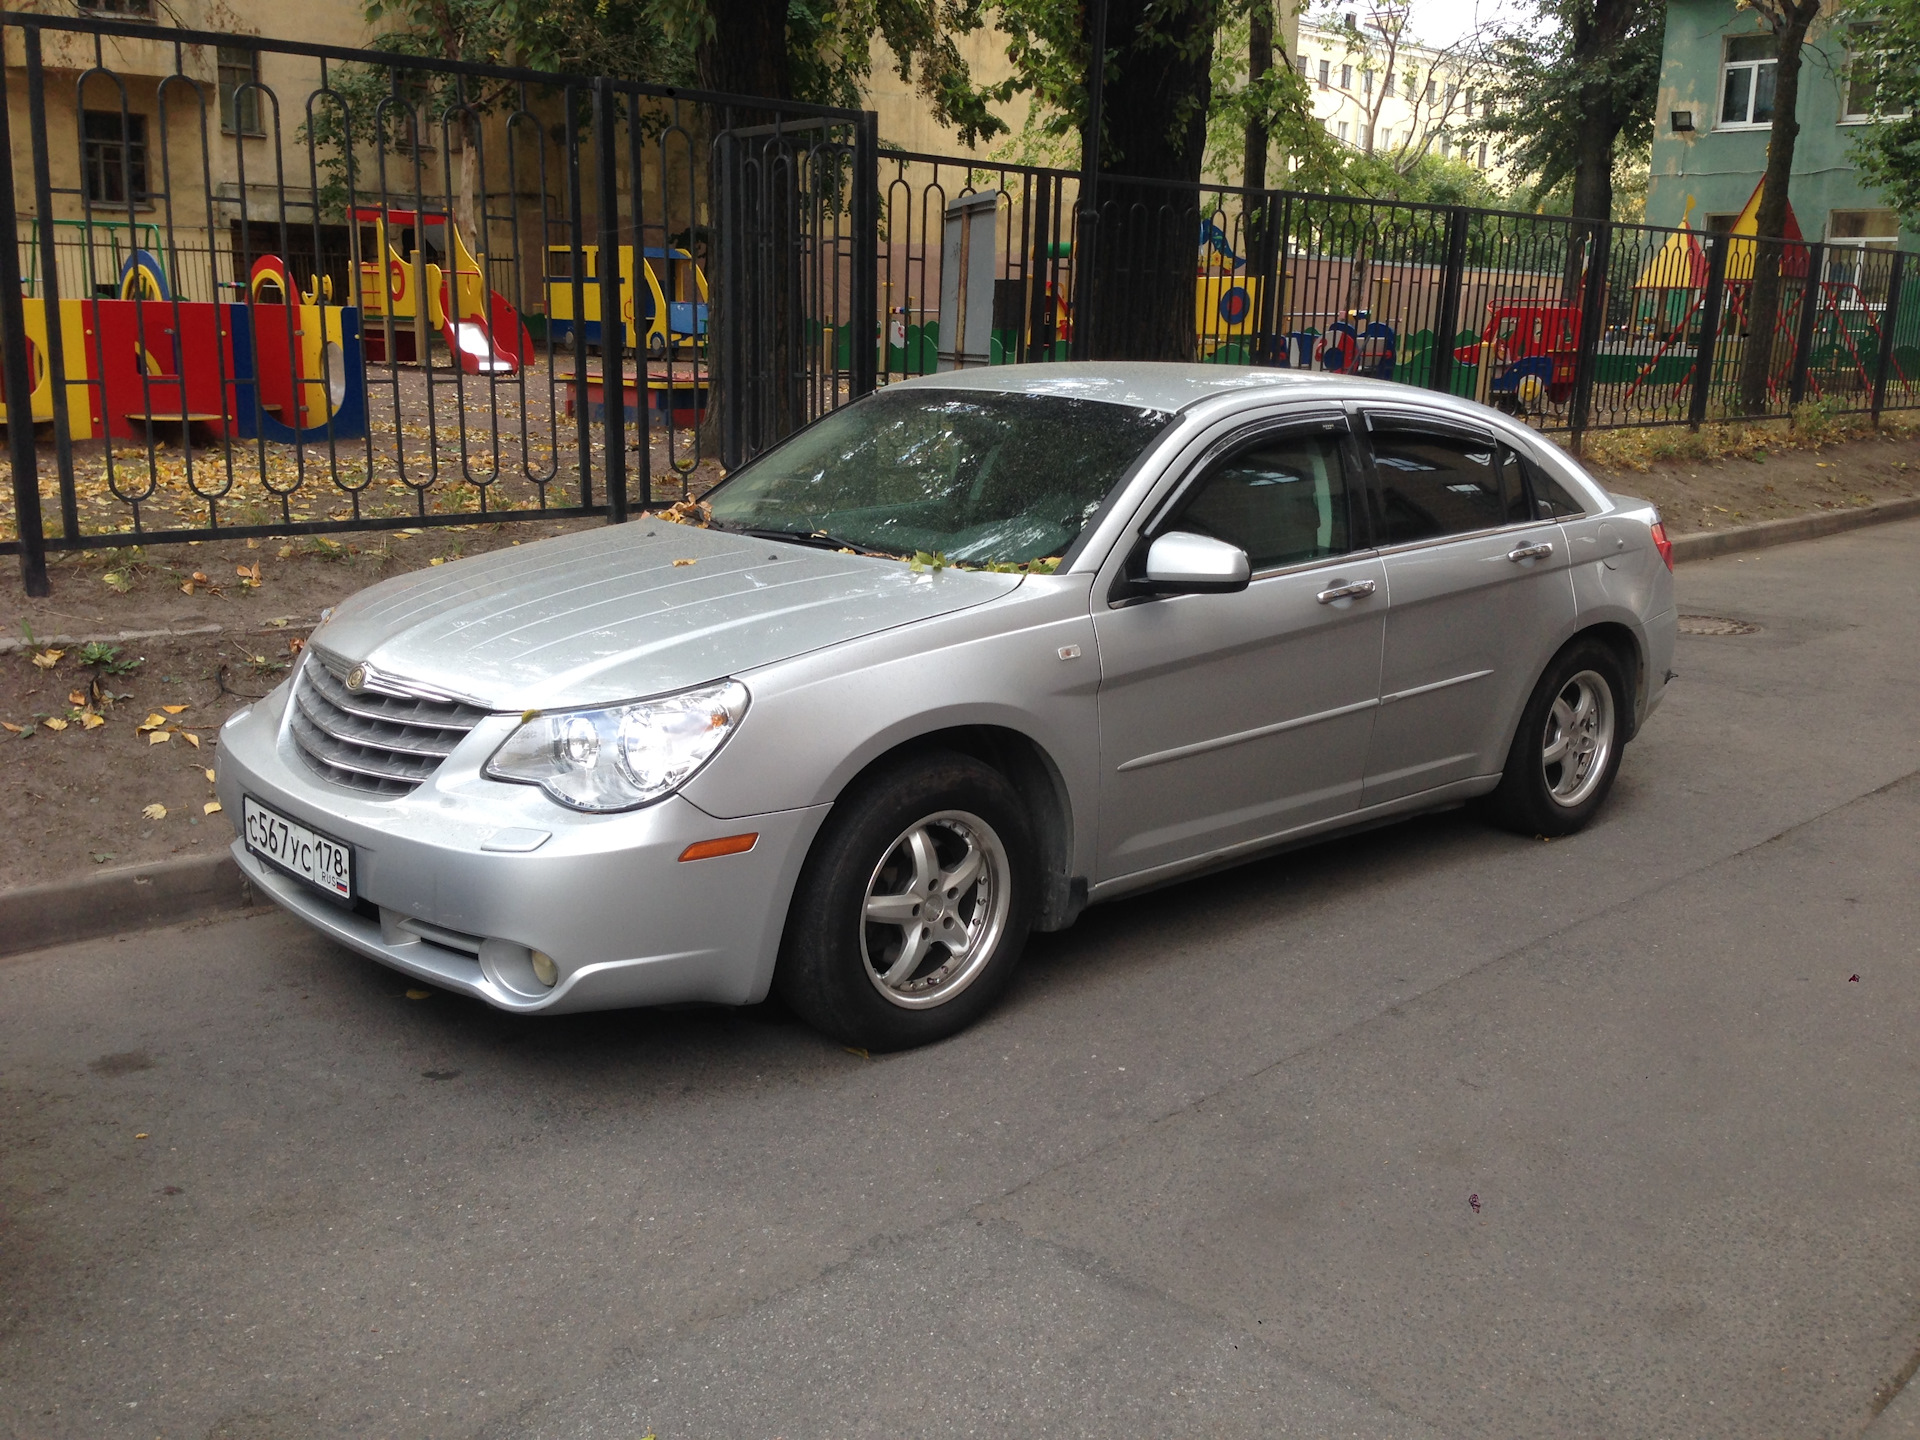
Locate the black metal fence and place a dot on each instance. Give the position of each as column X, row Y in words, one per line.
column 1573, row 325
column 364, row 291
column 361, row 291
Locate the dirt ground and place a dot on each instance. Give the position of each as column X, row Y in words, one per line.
column 76, row 795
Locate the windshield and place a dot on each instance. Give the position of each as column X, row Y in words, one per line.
column 973, row 475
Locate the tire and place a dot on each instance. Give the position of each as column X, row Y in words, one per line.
column 866, row 895
column 656, row 346
column 1567, row 749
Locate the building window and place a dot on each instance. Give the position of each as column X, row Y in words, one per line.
column 1413, row 86
column 1851, row 234
column 115, row 157
column 1346, row 77
column 1469, row 99
column 1432, row 88
column 1386, row 87
column 1483, row 154
column 1366, row 82
column 239, row 106
column 1386, row 138
column 1324, row 67
column 1858, row 100
column 1340, row 132
column 1746, row 81
column 140, row 8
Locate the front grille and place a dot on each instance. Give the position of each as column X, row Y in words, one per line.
column 379, row 743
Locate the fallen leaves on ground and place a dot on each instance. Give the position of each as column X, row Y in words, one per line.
column 54, row 722
column 47, row 659
column 91, row 721
column 155, row 811
column 212, row 807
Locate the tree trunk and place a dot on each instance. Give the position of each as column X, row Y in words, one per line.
column 1253, row 172
column 747, row 52
column 753, row 348
column 1156, row 128
column 1763, row 306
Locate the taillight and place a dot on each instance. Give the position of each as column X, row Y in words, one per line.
column 1662, row 544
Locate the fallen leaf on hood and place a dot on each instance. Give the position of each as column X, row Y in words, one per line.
column 155, row 812
column 683, row 562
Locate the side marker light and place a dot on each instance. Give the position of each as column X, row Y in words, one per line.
column 727, row 845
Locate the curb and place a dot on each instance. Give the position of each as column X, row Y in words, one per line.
column 138, row 897
column 1705, row 544
column 131, row 897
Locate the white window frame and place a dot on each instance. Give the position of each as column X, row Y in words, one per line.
column 1752, row 69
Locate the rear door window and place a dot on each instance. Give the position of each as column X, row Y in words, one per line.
column 1435, row 482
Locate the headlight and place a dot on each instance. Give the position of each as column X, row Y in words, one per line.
column 622, row 756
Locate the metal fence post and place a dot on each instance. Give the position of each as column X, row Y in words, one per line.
column 613, row 323
column 1709, row 330
column 50, row 289
column 1888, row 319
column 863, row 311
column 1809, row 309
column 1593, row 325
column 1447, row 323
column 18, row 382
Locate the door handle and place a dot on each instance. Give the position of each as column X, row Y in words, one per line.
column 1530, row 552
column 1346, row 592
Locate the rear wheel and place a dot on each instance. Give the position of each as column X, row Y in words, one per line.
column 1567, row 749
column 913, row 907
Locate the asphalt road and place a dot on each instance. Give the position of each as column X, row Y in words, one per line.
column 1212, row 1170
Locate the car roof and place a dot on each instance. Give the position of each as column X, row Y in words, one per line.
column 1175, row 385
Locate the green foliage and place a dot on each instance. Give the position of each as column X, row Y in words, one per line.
column 1888, row 152
column 107, row 659
column 1282, row 100
column 1565, row 73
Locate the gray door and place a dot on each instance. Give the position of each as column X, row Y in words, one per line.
column 1481, row 596
column 1227, row 718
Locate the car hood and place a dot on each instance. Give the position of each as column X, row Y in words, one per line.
column 629, row 611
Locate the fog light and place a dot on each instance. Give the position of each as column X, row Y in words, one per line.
column 544, row 970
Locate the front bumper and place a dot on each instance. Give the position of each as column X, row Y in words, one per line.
column 606, row 896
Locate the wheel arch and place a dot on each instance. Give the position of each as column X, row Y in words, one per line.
column 1038, row 779
column 1629, row 649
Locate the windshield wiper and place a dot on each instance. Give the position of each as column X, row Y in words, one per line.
column 819, row 539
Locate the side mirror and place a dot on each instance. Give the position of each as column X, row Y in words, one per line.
column 1182, row 563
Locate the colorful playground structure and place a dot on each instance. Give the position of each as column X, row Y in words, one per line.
column 281, row 363
column 673, row 312
column 279, row 366
column 480, row 326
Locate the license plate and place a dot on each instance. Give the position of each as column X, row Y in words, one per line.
column 321, row 862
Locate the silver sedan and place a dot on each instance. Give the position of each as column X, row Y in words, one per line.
column 943, row 669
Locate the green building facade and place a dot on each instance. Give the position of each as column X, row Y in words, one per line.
column 1715, row 110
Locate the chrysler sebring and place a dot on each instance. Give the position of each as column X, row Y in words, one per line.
column 944, row 668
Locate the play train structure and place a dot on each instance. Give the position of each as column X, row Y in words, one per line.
column 273, row 360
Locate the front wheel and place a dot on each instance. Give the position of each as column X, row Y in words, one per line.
column 913, row 907
column 1567, row 749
